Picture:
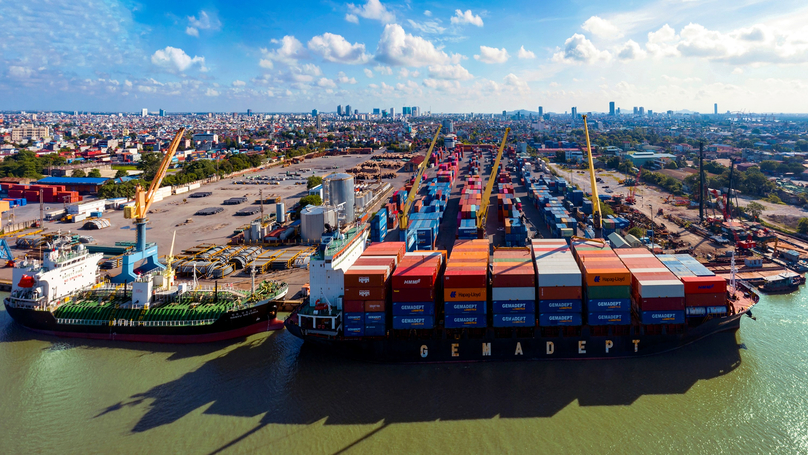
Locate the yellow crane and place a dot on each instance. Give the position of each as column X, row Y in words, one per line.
column 482, row 215
column 144, row 200
column 404, row 220
column 596, row 214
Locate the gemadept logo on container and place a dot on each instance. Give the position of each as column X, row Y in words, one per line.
column 514, row 306
column 413, row 321
column 521, row 319
column 412, row 307
column 562, row 317
column 664, row 316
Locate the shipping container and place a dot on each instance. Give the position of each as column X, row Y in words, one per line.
column 464, row 307
column 561, row 293
column 353, row 306
column 610, row 318
column 414, row 295
column 413, row 322
column 560, row 306
column 463, row 321
column 560, row 319
column 354, row 331
column 608, row 305
column 464, row 295
column 366, row 293
column 375, row 306
column 514, row 320
column 513, row 306
column 353, row 319
column 413, row 308
column 662, row 317
column 513, row 293
column 374, row 318
column 705, row 300
column 375, row 330
column 704, row 284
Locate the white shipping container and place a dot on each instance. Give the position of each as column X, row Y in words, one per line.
column 657, row 289
column 194, row 186
column 163, row 192
column 513, row 293
column 180, row 189
column 560, row 277
column 87, row 207
column 80, row 217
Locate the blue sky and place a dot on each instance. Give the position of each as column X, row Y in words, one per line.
column 470, row 56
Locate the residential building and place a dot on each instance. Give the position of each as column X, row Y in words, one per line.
column 30, row 132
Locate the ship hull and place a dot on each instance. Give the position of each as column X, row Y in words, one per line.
column 230, row 325
column 584, row 347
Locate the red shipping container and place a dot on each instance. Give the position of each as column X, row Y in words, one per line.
column 367, row 276
column 514, row 277
column 705, row 299
column 704, row 284
column 414, row 295
column 662, row 304
column 353, row 306
column 389, row 261
column 374, row 306
column 416, row 277
column 465, row 277
column 365, row 293
column 560, row 293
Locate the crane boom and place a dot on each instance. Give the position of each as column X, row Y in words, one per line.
column 482, row 215
column 143, row 199
column 404, row 221
column 596, row 214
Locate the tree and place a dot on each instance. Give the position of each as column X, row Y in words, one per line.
column 149, row 163
column 671, row 165
column 636, row 232
column 755, row 210
column 78, row 173
column 769, row 166
column 121, row 173
column 313, row 181
column 802, row 226
column 95, row 173
column 311, row 199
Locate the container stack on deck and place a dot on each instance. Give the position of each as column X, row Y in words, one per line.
column 507, row 213
column 705, row 293
column 414, row 289
column 658, row 295
column 513, row 288
column 607, row 283
column 470, row 201
column 465, row 285
column 367, row 286
column 559, row 283
column 378, row 226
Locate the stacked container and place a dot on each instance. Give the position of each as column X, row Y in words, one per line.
column 513, row 288
column 367, row 285
column 559, row 283
column 607, row 283
column 378, row 226
column 465, row 285
column 705, row 293
column 414, row 289
column 658, row 295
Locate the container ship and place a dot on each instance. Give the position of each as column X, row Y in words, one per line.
column 561, row 297
column 63, row 295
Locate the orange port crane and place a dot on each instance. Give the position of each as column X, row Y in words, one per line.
column 482, row 214
column 596, row 214
column 404, row 220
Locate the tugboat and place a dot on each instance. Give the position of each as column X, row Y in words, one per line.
column 784, row 283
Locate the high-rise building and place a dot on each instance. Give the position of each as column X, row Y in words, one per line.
column 574, row 112
column 249, row 112
column 642, row 111
column 393, row 112
column 618, row 111
column 319, row 123
column 376, row 111
column 416, row 111
column 356, row 112
column 162, row 113
column 650, row 112
column 636, row 110
column 715, row 108
column 611, row 108
column 348, row 110
column 406, row 110
column 448, row 126
column 504, row 114
column 144, row 112
column 314, row 112
column 339, row 109
column 541, row 111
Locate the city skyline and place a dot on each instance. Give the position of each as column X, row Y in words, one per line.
column 664, row 55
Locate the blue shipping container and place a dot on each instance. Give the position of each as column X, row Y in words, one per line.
column 514, row 320
column 611, row 318
column 601, row 305
column 375, row 330
column 355, row 331
column 413, row 322
column 560, row 306
column 353, row 319
column 663, row 317
column 413, row 308
column 374, row 318
column 696, row 311
column 464, row 308
column 462, row 321
column 560, row 319
column 514, row 306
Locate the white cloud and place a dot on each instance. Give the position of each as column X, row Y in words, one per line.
column 19, row 72
column 428, row 13
column 578, row 49
column 398, row 48
column 662, row 43
column 453, row 72
column 373, row 9
column 238, row 83
column 513, row 81
column 525, row 54
column 205, row 21
column 368, row 72
column 433, row 27
column 404, row 73
column 325, row 82
column 289, row 51
column 383, row 70
column 442, row 85
column 335, row 48
column 343, row 79
column 492, row 55
column 601, row 28
column 174, row 59
column 466, row 17
column 737, row 71
column 631, row 51
column 211, row 92
column 352, row 18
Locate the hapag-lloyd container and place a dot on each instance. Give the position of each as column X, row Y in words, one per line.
column 464, row 295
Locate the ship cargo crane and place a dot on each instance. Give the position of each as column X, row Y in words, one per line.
column 482, row 215
column 404, row 220
column 144, row 200
column 596, row 214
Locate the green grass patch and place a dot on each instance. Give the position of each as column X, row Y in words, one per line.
column 124, row 167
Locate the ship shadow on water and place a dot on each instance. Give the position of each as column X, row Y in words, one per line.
column 290, row 383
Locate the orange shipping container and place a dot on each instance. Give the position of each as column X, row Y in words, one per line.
column 464, row 294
